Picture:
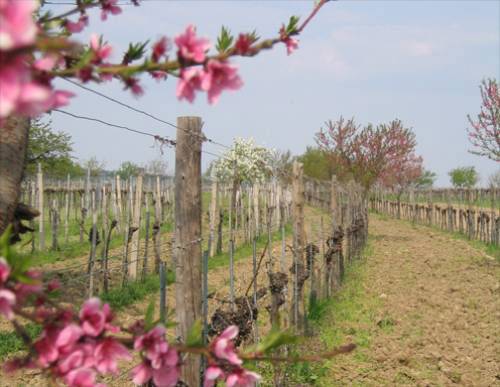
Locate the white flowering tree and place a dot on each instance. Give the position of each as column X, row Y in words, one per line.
column 244, row 162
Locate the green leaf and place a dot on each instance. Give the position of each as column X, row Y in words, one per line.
column 275, row 339
column 148, row 319
column 4, row 243
column 253, row 36
column 194, row 338
column 224, row 40
column 135, row 51
column 291, row 28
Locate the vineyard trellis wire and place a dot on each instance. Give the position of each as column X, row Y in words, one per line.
column 318, row 228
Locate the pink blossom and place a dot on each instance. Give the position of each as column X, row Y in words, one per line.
column 72, row 361
column 46, row 346
column 4, row 270
column 69, row 335
column 109, row 6
column 189, row 82
column 159, row 49
column 21, row 94
column 223, row 346
column 291, row 45
column 159, row 75
column 212, row 373
column 160, row 362
column 191, row 47
column 54, row 284
column 17, row 27
column 7, row 301
column 152, row 342
column 106, row 354
column 141, row 374
column 75, row 27
column 219, row 75
column 81, row 377
column 46, row 63
column 95, row 319
column 243, row 44
column 242, row 378
column 101, row 51
column 134, row 86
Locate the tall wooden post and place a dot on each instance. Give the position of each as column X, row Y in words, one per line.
column 136, row 224
column 214, row 214
column 41, row 218
column 66, row 209
column 187, row 252
column 297, row 314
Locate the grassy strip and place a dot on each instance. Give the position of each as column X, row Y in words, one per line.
column 11, row 342
column 349, row 316
column 76, row 249
column 245, row 250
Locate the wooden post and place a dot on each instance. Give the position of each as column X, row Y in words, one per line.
column 41, row 218
column 256, row 214
column 119, row 215
column 188, row 213
column 93, row 243
column 157, row 227
column 146, row 241
column 163, row 292
column 214, row 215
column 126, row 242
column 136, row 224
column 66, row 209
column 297, row 316
column 54, row 223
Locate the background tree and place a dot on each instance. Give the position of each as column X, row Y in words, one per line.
column 157, row 167
column 128, row 169
column 403, row 176
column 96, row 167
column 484, row 133
column 494, row 179
column 316, row 163
column 463, row 177
column 426, row 180
column 365, row 154
column 51, row 149
column 281, row 165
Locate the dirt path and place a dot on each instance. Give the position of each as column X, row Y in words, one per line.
column 425, row 312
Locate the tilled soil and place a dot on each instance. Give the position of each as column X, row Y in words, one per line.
column 442, row 300
column 440, row 295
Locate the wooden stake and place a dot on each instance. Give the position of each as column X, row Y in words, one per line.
column 41, row 218
column 136, row 224
column 188, row 213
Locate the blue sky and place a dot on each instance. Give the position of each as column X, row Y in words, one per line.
column 419, row 61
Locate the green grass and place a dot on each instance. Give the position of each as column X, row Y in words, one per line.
column 119, row 298
column 11, row 342
column 349, row 316
column 245, row 250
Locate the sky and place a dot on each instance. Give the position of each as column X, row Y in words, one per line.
column 418, row 61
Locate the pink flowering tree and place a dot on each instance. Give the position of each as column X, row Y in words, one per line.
column 36, row 47
column 484, row 131
column 365, row 154
column 77, row 346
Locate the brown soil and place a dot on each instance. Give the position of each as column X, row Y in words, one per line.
column 441, row 295
column 441, row 298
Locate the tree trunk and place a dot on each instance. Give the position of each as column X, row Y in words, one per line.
column 13, row 144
